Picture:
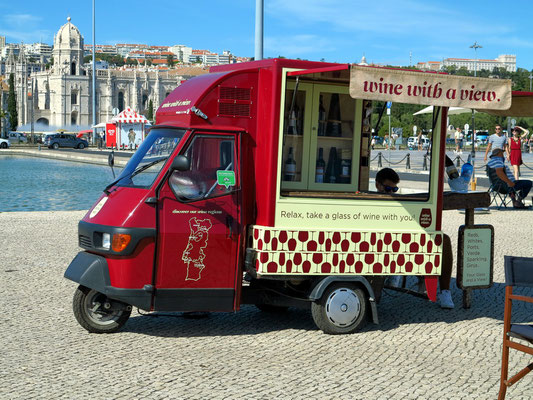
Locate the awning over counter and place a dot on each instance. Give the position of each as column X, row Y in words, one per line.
column 128, row 116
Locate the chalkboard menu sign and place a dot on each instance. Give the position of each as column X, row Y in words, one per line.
column 475, row 257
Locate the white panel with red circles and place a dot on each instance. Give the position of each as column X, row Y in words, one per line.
column 288, row 251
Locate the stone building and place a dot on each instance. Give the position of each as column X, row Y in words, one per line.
column 63, row 94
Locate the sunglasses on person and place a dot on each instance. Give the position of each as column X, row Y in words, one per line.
column 390, row 189
column 498, row 129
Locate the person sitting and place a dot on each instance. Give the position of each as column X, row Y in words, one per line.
column 521, row 186
column 387, row 182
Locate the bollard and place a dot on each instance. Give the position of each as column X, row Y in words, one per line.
column 408, row 162
column 380, row 164
column 425, row 165
column 458, row 163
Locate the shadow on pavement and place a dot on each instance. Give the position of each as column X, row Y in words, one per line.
column 395, row 309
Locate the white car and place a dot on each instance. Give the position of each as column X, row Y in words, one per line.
column 4, row 143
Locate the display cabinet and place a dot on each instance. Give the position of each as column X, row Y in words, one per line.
column 322, row 129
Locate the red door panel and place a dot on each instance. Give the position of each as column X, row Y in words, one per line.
column 197, row 230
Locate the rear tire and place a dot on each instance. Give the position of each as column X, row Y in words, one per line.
column 342, row 309
column 88, row 306
column 55, row 146
column 3, row 145
column 81, row 146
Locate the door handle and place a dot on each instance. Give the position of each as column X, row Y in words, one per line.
column 229, row 225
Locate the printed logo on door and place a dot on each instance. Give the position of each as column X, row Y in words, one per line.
column 194, row 255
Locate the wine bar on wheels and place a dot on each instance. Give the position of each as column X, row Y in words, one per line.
column 254, row 187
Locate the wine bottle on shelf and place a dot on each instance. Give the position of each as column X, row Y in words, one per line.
column 332, row 167
column 320, row 166
column 333, row 127
column 346, row 166
column 290, row 167
column 293, row 121
column 321, row 118
column 451, row 171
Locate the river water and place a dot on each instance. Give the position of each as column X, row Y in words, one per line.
column 39, row 184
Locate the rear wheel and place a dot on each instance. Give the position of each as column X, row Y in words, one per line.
column 81, row 146
column 97, row 313
column 341, row 309
column 55, row 146
column 3, row 145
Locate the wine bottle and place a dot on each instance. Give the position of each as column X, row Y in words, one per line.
column 293, row 120
column 320, row 167
column 321, row 118
column 333, row 127
column 451, row 171
column 290, row 167
column 331, row 169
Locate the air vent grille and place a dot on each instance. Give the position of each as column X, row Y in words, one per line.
column 235, row 93
column 235, row 102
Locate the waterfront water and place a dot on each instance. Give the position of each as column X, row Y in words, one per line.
column 38, row 184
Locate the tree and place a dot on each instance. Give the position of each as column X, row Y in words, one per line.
column 170, row 61
column 2, row 116
column 12, row 104
column 150, row 112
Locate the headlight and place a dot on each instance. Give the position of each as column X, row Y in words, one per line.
column 106, row 241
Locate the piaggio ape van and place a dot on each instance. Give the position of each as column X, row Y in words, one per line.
column 254, row 187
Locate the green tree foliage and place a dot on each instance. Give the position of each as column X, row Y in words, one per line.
column 150, row 112
column 112, row 59
column 12, row 104
column 170, row 61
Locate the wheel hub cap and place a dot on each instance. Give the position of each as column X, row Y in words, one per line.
column 343, row 307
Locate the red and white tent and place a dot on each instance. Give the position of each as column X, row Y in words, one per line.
column 128, row 116
column 128, row 129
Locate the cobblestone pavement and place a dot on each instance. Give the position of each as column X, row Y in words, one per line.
column 417, row 352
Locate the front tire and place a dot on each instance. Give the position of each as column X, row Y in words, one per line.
column 91, row 314
column 81, row 146
column 342, row 309
column 3, row 145
column 55, row 146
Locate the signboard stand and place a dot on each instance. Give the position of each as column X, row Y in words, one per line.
column 475, row 258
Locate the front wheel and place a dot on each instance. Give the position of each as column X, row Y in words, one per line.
column 3, row 145
column 97, row 313
column 81, row 146
column 342, row 309
column 55, row 146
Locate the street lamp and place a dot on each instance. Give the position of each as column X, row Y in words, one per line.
column 475, row 46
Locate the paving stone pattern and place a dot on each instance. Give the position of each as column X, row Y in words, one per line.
column 417, row 352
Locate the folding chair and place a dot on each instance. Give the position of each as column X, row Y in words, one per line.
column 499, row 192
column 519, row 273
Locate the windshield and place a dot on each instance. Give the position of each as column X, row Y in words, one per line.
column 150, row 157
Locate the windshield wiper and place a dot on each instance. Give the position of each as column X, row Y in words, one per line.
column 146, row 166
column 137, row 171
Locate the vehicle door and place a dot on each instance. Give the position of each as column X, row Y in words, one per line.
column 199, row 228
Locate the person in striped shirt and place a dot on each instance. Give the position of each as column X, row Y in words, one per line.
column 521, row 186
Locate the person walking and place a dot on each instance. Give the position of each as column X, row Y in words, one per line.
column 515, row 149
column 497, row 141
column 458, row 140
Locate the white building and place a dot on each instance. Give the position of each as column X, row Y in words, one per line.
column 63, row 94
column 182, row 52
column 506, row 61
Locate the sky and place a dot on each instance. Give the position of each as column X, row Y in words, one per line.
column 395, row 32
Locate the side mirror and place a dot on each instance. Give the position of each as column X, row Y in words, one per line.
column 180, row 163
column 111, row 159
